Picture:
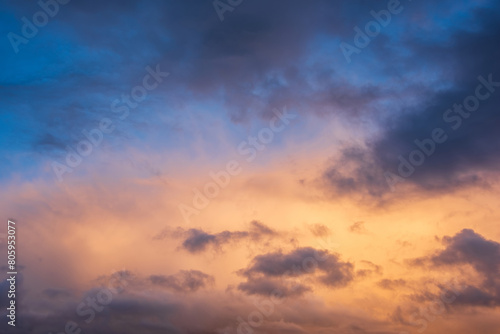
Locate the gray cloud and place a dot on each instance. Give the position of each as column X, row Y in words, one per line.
column 469, row 248
column 301, row 262
column 147, row 307
column 469, row 151
column 197, row 240
column 184, row 281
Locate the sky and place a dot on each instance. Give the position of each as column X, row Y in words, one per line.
column 237, row 166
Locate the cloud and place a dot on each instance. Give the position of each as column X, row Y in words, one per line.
column 197, row 240
column 470, row 248
column 146, row 307
column 469, row 153
column 250, row 63
column 265, row 54
column 273, row 287
column 301, row 262
column 473, row 296
column 184, row 281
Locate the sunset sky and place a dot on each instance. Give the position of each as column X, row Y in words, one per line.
column 251, row 166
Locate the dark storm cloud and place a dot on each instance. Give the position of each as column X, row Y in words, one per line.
column 301, row 262
column 263, row 55
column 184, row 281
column 355, row 172
column 469, row 248
column 474, row 296
column 457, row 59
column 197, row 240
column 254, row 61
